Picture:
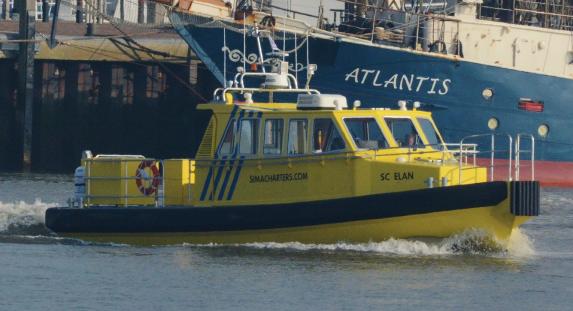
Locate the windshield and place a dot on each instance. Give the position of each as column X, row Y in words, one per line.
column 366, row 133
column 429, row 130
column 404, row 132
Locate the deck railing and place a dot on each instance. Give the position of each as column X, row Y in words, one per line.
column 541, row 13
column 509, row 159
column 122, row 186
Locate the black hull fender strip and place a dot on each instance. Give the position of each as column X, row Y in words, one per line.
column 525, row 198
column 253, row 217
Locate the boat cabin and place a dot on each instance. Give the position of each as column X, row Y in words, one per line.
column 318, row 148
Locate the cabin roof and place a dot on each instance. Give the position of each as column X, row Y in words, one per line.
column 291, row 108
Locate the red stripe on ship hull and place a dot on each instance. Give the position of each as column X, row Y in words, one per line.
column 549, row 173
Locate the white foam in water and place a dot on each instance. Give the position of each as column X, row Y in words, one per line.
column 468, row 242
column 22, row 214
column 391, row 246
column 520, row 245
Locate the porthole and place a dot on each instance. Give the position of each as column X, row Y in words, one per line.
column 493, row 123
column 487, row 93
column 543, row 130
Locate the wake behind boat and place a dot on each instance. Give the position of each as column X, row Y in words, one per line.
column 312, row 171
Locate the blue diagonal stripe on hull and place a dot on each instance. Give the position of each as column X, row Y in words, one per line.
column 206, row 184
column 226, row 180
column 235, row 179
column 218, row 176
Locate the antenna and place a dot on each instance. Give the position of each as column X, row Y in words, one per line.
column 320, row 15
column 225, row 54
column 261, row 57
column 310, row 70
column 244, row 42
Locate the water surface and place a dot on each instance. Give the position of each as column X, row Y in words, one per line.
column 40, row 271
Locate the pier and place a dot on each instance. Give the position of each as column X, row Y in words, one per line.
column 117, row 88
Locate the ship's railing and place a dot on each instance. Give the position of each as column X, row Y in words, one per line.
column 509, row 159
column 519, row 151
column 240, row 78
column 492, row 152
column 219, row 94
column 121, row 188
column 432, row 33
column 125, row 191
column 463, row 152
column 238, row 86
column 541, row 13
column 412, row 152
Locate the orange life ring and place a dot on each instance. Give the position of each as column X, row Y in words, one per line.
column 141, row 176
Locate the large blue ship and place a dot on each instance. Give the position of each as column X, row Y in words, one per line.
column 478, row 68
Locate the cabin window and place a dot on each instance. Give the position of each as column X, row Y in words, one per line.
column 366, row 133
column 404, row 132
column 248, row 136
column 326, row 137
column 273, row 137
column 429, row 130
column 297, row 136
column 228, row 139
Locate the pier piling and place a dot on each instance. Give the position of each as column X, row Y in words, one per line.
column 141, row 12
column 45, row 11
column 5, row 9
column 79, row 11
column 26, row 76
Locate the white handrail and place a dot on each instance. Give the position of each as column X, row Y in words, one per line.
column 261, row 90
column 518, row 152
column 492, row 153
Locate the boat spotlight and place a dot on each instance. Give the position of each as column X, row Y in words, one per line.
column 402, row 105
column 356, row 104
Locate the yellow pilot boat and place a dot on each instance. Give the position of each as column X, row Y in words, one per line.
column 312, row 170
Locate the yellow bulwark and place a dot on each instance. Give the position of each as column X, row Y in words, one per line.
column 179, row 178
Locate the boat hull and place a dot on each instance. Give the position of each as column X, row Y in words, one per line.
column 436, row 212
